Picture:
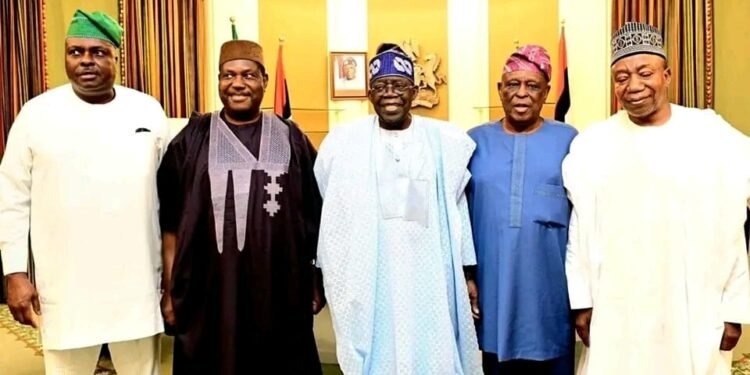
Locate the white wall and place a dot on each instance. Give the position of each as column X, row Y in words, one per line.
column 468, row 71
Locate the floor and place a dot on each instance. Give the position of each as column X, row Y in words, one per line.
column 20, row 349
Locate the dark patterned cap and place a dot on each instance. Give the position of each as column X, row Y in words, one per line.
column 391, row 61
column 240, row 49
column 636, row 38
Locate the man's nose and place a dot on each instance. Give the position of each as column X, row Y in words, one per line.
column 87, row 59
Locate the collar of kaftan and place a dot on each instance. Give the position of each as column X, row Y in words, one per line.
column 227, row 153
column 403, row 175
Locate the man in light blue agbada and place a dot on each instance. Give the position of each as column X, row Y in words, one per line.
column 395, row 235
column 520, row 213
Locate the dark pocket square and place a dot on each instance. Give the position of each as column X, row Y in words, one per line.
column 140, row 130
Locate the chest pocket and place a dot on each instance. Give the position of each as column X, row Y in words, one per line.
column 141, row 151
column 551, row 205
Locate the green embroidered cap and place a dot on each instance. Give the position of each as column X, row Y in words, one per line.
column 95, row 25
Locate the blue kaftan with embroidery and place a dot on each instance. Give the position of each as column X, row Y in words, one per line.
column 520, row 214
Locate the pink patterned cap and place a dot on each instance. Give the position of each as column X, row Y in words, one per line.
column 532, row 58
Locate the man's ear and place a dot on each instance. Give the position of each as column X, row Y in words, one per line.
column 546, row 92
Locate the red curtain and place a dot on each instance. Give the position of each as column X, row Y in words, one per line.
column 22, row 66
column 163, row 43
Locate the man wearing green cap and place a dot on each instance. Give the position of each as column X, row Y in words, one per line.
column 240, row 211
column 78, row 186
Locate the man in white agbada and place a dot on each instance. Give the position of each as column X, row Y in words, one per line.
column 657, row 269
column 395, row 235
column 78, row 179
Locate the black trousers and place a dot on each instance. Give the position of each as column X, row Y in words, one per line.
column 557, row 366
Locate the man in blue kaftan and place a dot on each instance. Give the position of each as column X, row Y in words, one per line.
column 520, row 214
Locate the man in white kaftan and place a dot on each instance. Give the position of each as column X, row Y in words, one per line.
column 78, row 179
column 657, row 266
column 395, row 235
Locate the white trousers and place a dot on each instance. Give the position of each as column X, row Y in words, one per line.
column 134, row 357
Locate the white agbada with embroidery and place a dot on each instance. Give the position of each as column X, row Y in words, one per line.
column 82, row 178
column 394, row 237
column 657, row 243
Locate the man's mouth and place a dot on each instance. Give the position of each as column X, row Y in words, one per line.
column 88, row 75
column 238, row 98
column 392, row 106
column 521, row 108
column 637, row 101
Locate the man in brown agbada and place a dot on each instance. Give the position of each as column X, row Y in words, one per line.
column 240, row 211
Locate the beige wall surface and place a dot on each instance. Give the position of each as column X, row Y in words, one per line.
column 732, row 38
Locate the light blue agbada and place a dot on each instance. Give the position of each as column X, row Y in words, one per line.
column 519, row 213
column 395, row 285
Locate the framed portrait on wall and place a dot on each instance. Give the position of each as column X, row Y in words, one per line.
column 348, row 75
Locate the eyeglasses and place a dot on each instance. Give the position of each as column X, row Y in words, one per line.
column 398, row 87
column 515, row 86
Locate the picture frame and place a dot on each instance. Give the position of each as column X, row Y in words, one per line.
column 348, row 72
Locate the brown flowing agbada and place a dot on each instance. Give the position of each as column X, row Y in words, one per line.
column 238, row 311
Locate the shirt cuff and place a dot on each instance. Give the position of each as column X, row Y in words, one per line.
column 580, row 298
column 735, row 313
column 15, row 259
